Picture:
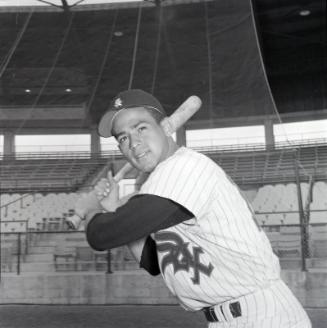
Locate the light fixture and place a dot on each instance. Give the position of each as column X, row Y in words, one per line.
column 304, row 12
column 118, row 33
column 28, row 90
column 68, row 90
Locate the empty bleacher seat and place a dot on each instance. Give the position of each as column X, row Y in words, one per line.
column 291, row 218
column 36, row 207
column 318, row 206
column 318, row 216
column 280, row 195
column 285, row 244
column 274, row 201
column 289, row 245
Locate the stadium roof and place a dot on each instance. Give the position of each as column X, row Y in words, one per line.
column 61, row 64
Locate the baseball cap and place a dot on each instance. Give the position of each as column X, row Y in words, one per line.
column 127, row 99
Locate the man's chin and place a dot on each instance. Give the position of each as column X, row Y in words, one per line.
column 145, row 167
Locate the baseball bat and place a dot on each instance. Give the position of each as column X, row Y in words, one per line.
column 170, row 125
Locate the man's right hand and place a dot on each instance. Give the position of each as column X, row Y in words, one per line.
column 107, row 193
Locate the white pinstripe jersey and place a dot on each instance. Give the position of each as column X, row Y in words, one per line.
column 218, row 255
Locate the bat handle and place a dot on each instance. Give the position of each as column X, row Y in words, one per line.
column 74, row 222
column 123, row 171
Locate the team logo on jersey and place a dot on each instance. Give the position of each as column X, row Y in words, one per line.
column 180, row 257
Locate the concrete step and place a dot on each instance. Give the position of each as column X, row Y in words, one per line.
column 62, row 236
column 296, row 263
column 62, row 266
column 44, row 243
column 68, row 243
column 290, row 263
column 41, row 249
column 46, row 257
column 129, row 265
column 317, row 262
column 37, row 267
column 49, row 266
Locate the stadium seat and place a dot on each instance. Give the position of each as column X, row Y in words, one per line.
column 273, row 238
column 318, row 217
column 276, row 218
column 290, row 230
column 289, row 245
column 292, row 218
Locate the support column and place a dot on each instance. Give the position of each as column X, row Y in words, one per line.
column 95, row 143
column 181, row 136
column 8, row 144
column 269, row 134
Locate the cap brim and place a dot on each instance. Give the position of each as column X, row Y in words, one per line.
column 105, row 124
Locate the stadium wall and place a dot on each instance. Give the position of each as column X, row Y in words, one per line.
column 129, row 288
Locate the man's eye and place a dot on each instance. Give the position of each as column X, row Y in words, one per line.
column 122, row 140
column 141, row 128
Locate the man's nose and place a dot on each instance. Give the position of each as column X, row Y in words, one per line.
column 135, row 140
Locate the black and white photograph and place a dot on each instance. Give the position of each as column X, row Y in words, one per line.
column 163, row 163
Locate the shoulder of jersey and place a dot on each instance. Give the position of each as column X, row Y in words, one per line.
column 180, row 165
column 198, row 159
column 185, row 157
column 193, row 155
column 184, row 151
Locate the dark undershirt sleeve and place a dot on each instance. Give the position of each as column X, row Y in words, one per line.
column 149, row 258
column 139, row 217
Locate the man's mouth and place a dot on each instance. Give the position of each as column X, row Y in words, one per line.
column 141, row 155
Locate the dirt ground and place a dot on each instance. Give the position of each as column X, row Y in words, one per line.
column 124, row 316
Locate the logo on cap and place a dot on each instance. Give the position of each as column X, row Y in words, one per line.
column 118, row 103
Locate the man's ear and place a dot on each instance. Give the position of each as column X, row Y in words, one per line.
column 166, row 126
column 118, row 145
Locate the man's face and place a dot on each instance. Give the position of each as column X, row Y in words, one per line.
column 141, row 139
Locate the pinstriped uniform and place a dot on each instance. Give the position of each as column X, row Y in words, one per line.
column 220, row 255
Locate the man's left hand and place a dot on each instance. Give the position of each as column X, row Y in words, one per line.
column 86, row 204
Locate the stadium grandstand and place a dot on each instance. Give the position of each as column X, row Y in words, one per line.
column 260, row 68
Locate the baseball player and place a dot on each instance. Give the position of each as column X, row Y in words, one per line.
column 190, row 223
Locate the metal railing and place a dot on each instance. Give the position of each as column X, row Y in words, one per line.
column 58, row 251
column 62, row 251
